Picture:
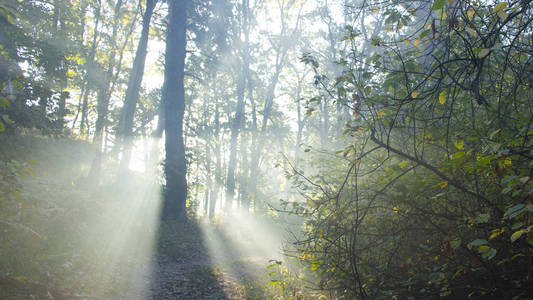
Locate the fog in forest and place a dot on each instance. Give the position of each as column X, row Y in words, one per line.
column 266, row 149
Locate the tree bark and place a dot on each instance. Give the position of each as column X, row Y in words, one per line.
column 174, row 101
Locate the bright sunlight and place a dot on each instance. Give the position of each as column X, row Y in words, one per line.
column 266, row 149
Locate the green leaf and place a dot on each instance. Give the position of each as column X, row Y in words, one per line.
column 487, row 252
column 514, row 211
column 4, row 103
column 424, row 33
column 515, row 236
column 459, row 155
column 438, row 4
column 459, row 144
column 442, row 97
column 476, row 243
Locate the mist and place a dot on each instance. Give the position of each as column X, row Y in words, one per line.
column 265, row 149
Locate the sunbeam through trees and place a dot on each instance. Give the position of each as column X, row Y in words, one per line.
column 266, row 149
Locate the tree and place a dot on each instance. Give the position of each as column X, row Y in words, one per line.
column 174, row 102
column 236, row 126
column 125, row 126
column 436, row 184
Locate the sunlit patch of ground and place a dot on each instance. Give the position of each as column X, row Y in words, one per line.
column 106, row 241
column 241, row 246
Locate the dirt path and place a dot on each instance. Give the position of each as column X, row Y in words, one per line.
column 194, row 278
column 175, row 279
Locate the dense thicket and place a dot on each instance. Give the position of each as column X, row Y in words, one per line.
column 434, row 199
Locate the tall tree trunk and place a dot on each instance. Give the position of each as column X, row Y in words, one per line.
column 82, row 92
column 208, row 174
column 125, row 126
column 174, row 101
column 245, row 175
column 59, row 27
column 153, row 149
column 92, row 53
column 235, row 129
column 242, row 70
column 103, row 95
column 218, row 167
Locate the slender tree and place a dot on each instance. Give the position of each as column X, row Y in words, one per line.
column 125, row 127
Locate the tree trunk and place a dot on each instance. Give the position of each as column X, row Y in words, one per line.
column 58, row 29
column 92, row 53
column 235, row 129
column 174, row 101
column 103, row 95
column 218, row 167
column 125, row 126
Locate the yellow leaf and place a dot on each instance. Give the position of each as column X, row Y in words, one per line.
column 502, row 14
column 375, row 10
column 414, row 94
column 442, row 97
column 71, row 73
column 380, row 113
column 459, row 144
column 495, row 234
column 396, row 210
column 310, row 203
column 416, row 42
column 470, row 12
column 508, row 161
column 406, row 42
column 483, row 248
column 499, row 7
column 443, row 184
column 450, row 1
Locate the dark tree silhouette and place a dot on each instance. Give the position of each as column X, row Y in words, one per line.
column 174, row 101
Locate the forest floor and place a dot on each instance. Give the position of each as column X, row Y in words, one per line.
column 185, row 267
column 198, row 278
column 73, row 239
